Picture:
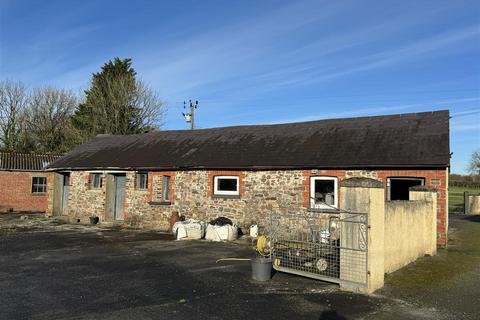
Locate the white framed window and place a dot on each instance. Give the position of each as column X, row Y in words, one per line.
column 323, row 192
column 226, row 185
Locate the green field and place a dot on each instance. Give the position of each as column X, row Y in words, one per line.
column 455, row 198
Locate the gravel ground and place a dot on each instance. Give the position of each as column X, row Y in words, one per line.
column 52, row 270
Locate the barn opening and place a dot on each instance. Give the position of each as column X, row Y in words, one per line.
column 398, row 188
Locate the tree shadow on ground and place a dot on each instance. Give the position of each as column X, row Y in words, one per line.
column 473, row 218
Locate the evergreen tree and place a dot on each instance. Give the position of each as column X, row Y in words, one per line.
column 116, row 103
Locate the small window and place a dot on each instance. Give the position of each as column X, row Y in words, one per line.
column 323, row 192
column 398, row 188
column 226, row 185
column 39, row 185
column 166, row 188
column 95, row 180
column 142, row 181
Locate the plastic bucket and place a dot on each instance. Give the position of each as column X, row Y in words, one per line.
column 261, row 269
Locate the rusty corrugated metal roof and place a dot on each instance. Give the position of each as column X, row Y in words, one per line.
column 406, row 140
column 15, row 161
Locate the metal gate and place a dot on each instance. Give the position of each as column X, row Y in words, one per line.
column 330, row 246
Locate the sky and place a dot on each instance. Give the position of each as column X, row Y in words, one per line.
column 261, row 62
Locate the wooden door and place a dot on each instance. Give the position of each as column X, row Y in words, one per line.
column 110, row 197
column 119, row 196
column 65, row 190
column 60, row 193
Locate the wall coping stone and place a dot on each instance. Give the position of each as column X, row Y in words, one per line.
column 422, row 189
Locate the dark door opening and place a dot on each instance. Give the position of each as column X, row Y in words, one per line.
column 398, row 188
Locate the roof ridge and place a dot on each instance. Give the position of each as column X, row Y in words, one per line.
column 397, row 115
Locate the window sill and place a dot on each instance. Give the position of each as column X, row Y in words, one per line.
column 329, row 210
column 225, row 196
column 39, row 193
column 160, row 203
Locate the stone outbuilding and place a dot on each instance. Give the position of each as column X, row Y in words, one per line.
column 246, row 172
column 24, row 182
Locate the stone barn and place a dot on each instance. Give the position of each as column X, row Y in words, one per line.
column 24, row 182
column 246, row 172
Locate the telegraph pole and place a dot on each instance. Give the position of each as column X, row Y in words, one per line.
column 190, row 117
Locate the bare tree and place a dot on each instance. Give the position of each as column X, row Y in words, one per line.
column 474, row 165
column 13, row 102
column 151, row 110
column 48, row 125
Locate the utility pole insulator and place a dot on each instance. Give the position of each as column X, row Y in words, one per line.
column 190, row 117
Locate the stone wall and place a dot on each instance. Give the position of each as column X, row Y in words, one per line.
column 191, row 195
column 83, row 201
column 261, row 193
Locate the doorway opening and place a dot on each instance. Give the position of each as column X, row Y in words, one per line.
column 398, row 188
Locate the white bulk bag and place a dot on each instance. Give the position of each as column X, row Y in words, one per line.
column 221, row 233
column 254, row 231
column 189, row 229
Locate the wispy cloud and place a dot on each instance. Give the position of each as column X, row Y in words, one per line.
column 466, row 127
column 433, row 105
column 467, row 120
column 319, row 72
column 467, row 112
column 226, row 60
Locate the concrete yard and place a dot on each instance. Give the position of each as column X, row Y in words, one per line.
column 51, row 270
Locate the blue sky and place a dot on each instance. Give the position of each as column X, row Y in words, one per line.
column 252, row 62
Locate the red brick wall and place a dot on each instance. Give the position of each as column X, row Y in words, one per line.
column 429, row 175
column 16, row 191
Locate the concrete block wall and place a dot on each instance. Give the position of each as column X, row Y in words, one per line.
column 410, row 229
column 364, row 195
column 16, row 191
column 472, row 203
column 399, row 232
